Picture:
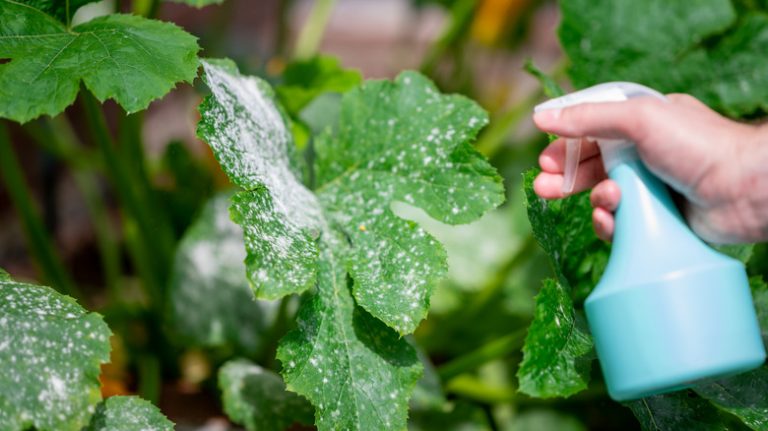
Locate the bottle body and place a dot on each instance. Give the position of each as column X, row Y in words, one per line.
column 669, row 310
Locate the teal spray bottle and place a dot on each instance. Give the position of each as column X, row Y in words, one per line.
column 669, row 311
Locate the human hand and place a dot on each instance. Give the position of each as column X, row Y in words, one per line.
column 718, row 165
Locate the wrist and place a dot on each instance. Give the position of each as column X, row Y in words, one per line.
column 751, row 190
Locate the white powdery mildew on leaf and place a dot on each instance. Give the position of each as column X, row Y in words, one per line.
column 128, row 414
column 279, row 215
column 257, row 398
column 50, row 350
column 211, row 299
column 357, row 372
column 400, row 141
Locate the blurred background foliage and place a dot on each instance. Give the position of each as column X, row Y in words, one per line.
column 168, row 274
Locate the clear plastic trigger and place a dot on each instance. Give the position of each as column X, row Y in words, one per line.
column 572, row 156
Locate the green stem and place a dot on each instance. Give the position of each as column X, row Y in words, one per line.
column 56, row 136
column 150, row 378
column 278, row 330
column 461, row 18
column 124, row 186
column 312, row 33
column 495, row 349
column 493, row 138
column 39, row 240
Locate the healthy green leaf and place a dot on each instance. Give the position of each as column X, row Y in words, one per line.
column 51, row 350
column 544, row 420
column 357, row 372
column 676, row 411
column 551, row 88
column 697, row 47
column 257, row 399
column 127, row 58
column 128, row 414
column 212, row 303
column 742, row 395
column 396, row 141
column 61, row 10
column 4, row 275
column 554, row 362
column 199, row 3
column 304, row 80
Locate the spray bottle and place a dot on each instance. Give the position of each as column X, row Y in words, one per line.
column 669, row 311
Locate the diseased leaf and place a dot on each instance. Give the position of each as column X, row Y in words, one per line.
column 395, row 141
column 257, row 398
column 563, row 228
column 743, row 395
column 357, row 372
column 280, row 217
column 677, row 411
column 760, row 298
column 401, row 141
column 123, row 413
column 697, row 47
column 59, row 9
column 554, row 362
column 127, row 58
column 50, row 350
column 304, row 80
column 212, row 303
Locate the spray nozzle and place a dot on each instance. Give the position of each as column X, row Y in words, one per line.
column 614, row 151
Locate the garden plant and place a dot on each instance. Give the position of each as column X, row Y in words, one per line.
column 354, row 254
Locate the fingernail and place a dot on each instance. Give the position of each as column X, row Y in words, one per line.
column 547, row 117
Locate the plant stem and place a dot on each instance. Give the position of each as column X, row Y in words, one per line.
column 39, row 240
column 461, row 17
column 124, row 185
column 56, row 136
column 495, row 349
column 149, row 378
column 492, row 139
column 312, row 33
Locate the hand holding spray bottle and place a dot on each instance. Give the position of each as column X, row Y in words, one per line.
column 669, row 311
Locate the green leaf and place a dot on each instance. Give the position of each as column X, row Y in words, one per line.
column 4, row 276
column 125, row 413
column 742, row 252
column 357, row 372
column 256, row 398
column 551, row 88
column 127, row 58
column 61, row 10
column 564, row 230
column 461, row 416
column 554, row 356
column 760, row 298
column 396, row 141
column 304, row 80
column 676, row 411
column 401, row 141
column 212, row 303
column 743, row 395
column 198, row 3
column 51, row 350
column 544, row 420
column 280, row 217
column 698, row 47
